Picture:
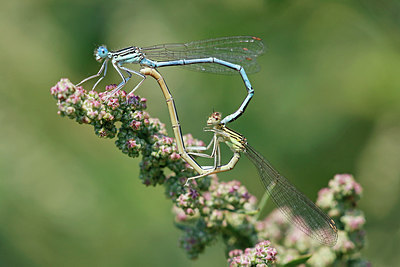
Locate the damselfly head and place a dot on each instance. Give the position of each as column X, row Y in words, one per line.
column 214, row 119
column 101, row 53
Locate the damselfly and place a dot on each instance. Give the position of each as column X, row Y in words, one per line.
column 221, row 55
column 296, row 207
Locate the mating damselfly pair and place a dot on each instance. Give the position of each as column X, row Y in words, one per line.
column 222, row 55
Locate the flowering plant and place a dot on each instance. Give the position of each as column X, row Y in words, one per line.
column 209, row 209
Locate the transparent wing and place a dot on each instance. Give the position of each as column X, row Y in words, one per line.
column 241, row 50
column 296, row 207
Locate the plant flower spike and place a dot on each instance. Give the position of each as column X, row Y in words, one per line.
column 209, row 210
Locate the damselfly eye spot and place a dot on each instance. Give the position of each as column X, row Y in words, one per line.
column 102, row 52
column 214, row 119
column 216, row 116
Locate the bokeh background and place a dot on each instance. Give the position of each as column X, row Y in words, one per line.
column 326, row 102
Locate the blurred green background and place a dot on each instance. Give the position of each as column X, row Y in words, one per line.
column 326, row 102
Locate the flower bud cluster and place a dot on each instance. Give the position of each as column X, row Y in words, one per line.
column 102, row 110
column 261, row 255
column 226, row 208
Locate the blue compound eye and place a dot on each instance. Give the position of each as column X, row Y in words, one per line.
column 101, row 52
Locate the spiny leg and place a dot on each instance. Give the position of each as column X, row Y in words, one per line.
column 198, row 176
column 138, row 74
column 102, row 77
column 217, row 159
column 201, row 148
column 103, row 66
